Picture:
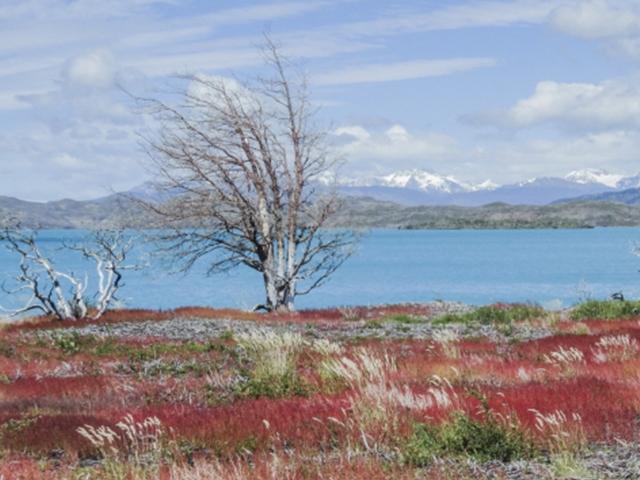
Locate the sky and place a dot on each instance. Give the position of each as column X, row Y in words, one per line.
column 477, row 89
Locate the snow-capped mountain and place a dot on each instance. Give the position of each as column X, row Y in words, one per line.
column 486, row 185
column 595, row 175
column 629, row 182
column 423, row 187
column 422, row 180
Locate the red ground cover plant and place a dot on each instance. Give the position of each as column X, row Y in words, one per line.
column 47, row 393
column 608, row 411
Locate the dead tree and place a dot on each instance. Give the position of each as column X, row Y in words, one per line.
column 60, row 294
column 245, row 158
column 109, row 249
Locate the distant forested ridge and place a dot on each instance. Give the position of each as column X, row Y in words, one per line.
column 357, row 212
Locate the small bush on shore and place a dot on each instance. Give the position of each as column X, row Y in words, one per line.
column 606, row 309
column 498, row 314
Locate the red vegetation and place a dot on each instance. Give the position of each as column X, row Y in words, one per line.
column 46, row 393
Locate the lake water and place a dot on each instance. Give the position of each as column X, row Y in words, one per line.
column 552, row 267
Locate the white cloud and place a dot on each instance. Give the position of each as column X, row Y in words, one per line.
column 95, row 69
column 610, row 104
column 392, row 149
column 206, row 89
column 503, row 160
column 398, row 134
column 616, row 23
column 598, row 18
column 385, row 72
column 355, row 131
column 67, row 161
column 614, row 150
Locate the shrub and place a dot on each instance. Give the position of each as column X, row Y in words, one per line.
column 273, row 386
column 69, row 343
column 403, row 318
column 492, row 438
column 273, row 358
column 498, row 314
column 606, row 309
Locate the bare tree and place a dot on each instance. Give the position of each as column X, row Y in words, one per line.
column 109, row 249
column 60, row 294
column 246, row 158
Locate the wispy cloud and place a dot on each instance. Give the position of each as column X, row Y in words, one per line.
column 385, row 72
column 449, row 17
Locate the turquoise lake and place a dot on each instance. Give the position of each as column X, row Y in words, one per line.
column 552, row 267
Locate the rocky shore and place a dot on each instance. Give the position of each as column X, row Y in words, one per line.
column 420, row 327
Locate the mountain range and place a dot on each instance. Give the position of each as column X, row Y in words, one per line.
column 408, row 199
column 422, row 187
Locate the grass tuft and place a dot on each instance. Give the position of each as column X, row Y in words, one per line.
column 492, row 438
column 498, row 314
column 606, row 309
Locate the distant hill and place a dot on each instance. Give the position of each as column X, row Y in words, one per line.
column 361, row 212
column 630, row 196
column 371, row 213
column 103, row 212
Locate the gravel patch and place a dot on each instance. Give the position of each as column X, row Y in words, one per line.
column 186, row 328
column 620, row 461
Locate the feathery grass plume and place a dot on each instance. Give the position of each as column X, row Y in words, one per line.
column 448, row 341
column 562, row 432
column 564, row 356
column 325, row 347
column 442, row 392
column 134, row 451
column 564, row 437
column 365, row 368
column 350, row 314
column 615, row 348
column 377, row 398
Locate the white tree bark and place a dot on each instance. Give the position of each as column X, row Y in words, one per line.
column 48, row 294
column 109, row 251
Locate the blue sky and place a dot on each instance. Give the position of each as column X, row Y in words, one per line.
column 482, row 89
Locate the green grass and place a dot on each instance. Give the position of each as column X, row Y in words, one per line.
column 484, row 440
column 606, row 309
column 403, row 319
column 273, row 386
column 494, row 315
